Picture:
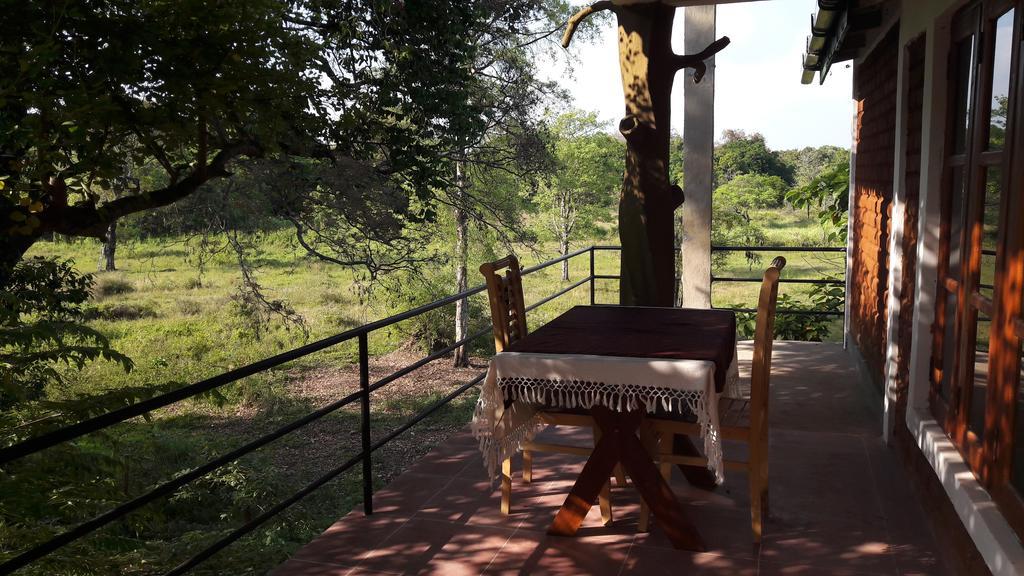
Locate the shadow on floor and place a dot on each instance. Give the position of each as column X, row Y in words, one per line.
column 840, row 503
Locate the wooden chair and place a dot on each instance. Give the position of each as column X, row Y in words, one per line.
column 508, row 316
column 743, row 420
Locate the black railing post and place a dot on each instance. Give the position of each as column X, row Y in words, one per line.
column 592, row 279
column 364, row 386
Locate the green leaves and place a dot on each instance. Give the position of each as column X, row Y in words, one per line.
column 740, row 153
column 41, row 327
column 828, row 193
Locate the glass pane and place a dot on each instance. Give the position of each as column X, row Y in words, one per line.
column 956, row 228
column 964, row 75
column 990, row 230
column 957, row 213
column 949, row 347
column 976, row 421
column 1000, row 81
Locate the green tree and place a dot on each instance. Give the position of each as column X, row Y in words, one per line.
column 194, row 86
column 753, row 191
column 829, row 194
column 583, row 187
column 740, row 153
column 355, row 112
column 809, row 162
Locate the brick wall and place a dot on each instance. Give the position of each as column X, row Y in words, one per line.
column 875, row 141
column 912, row 185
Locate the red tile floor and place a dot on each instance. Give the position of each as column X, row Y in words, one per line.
column 840, row 503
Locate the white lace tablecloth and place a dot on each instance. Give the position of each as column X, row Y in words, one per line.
column 533, row 380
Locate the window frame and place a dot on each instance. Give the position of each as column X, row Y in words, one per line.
column 990, row 456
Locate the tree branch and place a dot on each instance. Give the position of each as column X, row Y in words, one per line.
column 85, row 219
column 696, row 61
column 574, row 21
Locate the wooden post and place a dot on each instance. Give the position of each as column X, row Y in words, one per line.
column 698, row 147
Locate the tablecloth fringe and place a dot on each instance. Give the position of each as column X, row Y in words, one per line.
column 522, row 421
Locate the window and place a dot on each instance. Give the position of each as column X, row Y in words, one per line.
column 976, row 361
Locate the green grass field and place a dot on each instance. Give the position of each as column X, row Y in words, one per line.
column 171, row 310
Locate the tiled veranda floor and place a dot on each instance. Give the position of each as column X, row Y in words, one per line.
column 840, row 504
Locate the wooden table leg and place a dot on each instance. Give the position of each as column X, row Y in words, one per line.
column 588, row 485
column 619, row 443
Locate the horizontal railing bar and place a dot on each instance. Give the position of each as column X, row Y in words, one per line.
column 428, row 411
column 557, row 294
column 257, row 521
column 33, row 445
column 440, row 353
column 544, row 265
column 781, row 280
column 619, row 248
column 788, row 311
column 606, row 277
column 171, row 486
column 166, row 488
column 778, row 248
column 73, row 431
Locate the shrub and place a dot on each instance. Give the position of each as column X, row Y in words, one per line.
column 801, row 327
column 333, row 297
column 112, row 285
column 194, row 284
column 41, row 316
column 189, row 307
column 115, row 312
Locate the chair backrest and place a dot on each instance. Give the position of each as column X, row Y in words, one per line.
column 764, row 335
column 505, row 293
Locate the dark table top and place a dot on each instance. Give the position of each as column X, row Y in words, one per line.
column 639, row 332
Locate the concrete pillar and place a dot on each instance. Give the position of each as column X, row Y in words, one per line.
column 698, row 146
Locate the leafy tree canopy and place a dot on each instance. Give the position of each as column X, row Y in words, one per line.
column 809, row 162
column 383, row 87
column 753, row 191
column 740, row 153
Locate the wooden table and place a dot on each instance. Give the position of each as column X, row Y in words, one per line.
column 591, row 343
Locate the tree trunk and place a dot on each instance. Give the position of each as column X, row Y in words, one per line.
column 461, row 358
column 648, row 199
column 563, row 248
column 12, row 250
column 110, row 247
column 565, row 214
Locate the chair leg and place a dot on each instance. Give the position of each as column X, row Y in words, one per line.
column 620, row 476
column 756, row 492
column 651, row 440
column 763, row 473
column 755, row 506
column 644, row 523
column 527, row 466
column 605, row 497
column 506, row 486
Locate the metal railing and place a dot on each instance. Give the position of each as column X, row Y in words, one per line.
column 812, row 281
column 363, row 395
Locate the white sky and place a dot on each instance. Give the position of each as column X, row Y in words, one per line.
column 757, row 83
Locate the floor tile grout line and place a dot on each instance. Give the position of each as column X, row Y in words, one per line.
column 512, row 535
column 629, row 551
